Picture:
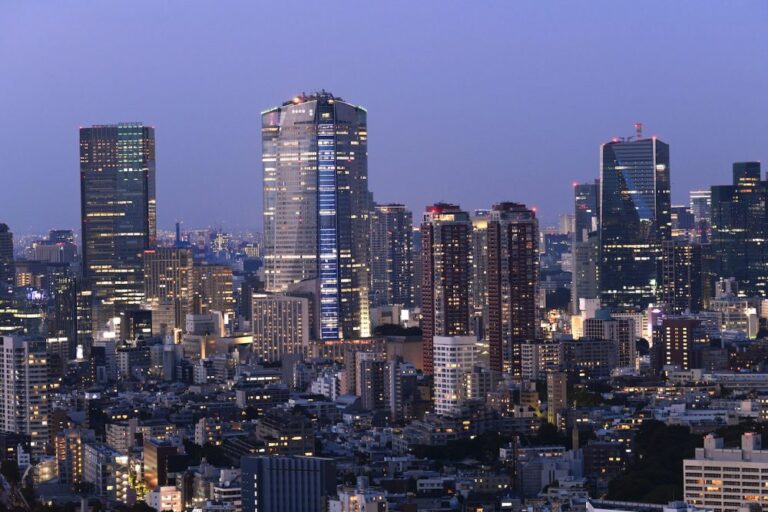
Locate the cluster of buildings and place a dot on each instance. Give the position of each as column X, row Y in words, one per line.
column 344, row 359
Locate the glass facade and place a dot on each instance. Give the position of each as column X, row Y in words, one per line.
column 739, row 239
column 586, row 209
column 117, row 180
column 316, row 207
column 634, row 221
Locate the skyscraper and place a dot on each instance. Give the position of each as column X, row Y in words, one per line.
column 455, row 357
column 701, row 207
column 479, row 283
column 392, row 255
column 117, row 191
column 739, row 242
column 316, row 206
column 24, row 393
column 681, row 276
column 446, row 253
column 513, row 279
column 634, row 220
column 7, row 267
column 587, row 209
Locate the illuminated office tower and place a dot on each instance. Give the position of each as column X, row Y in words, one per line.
column 513, row 279
column 391, row 255
column 117, row 193
column 586, row 209
column 446, row 253
column 739, row 242
column 168, row 280
column 24, row 393
column 316, row 207
column 634, row 220
column 7, row 266
column 479, row 284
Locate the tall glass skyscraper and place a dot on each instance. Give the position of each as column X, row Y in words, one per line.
column 634, row 220
column 739, row 242
column 586, row 209
column 316, row 206
column 119, row 219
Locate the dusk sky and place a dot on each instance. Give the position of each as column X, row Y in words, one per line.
column 471, row 102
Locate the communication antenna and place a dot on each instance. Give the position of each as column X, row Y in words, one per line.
column 638, row 131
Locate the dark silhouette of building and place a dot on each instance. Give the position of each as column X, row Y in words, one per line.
column 740, row 230
column 295, row 484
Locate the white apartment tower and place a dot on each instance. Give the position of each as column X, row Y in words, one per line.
column 25, row 388
column 454, row 358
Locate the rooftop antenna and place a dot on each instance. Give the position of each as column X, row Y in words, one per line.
column 638, row 131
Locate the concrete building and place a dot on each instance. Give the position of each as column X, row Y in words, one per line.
column 290, row 484
column 454, row 359
column 727, row 479
column 25, row 390
column 280, row 326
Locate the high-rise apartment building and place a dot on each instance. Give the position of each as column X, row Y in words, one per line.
column 454, row 358
column 739, row 240
column 391, row 255
column 513, row 279
column 118, row 208
column 446, row 254
column 280, row 326
column 634, row 220
column 168, row 274
column 316, row 206
column 25, row 389
column 479, row 283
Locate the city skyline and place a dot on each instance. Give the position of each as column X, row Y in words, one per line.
column 708, row 126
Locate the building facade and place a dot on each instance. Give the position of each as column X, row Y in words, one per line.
column 316, row 206
column 513, row 280
column 280, row 326
column 391, row 255
column 118, row 212
column 446, row 256
column 289, row 484
column 635, row 219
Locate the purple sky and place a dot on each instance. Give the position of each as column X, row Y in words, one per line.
column 503, row 100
